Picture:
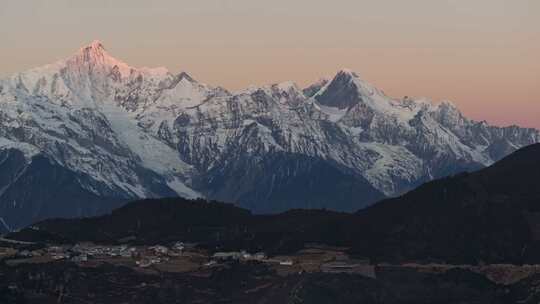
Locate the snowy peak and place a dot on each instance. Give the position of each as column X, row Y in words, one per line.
column 287, row 93
column 95, row 58
column 185, row 76
column 94, row 52
column 286, row 89
column 449, row 115
column 96, row 46
column 287, row 86
column 343, row 92
column 347, row 73
column 361, row 103
column 352, row 78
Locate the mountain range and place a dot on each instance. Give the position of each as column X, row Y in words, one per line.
column 85, row 135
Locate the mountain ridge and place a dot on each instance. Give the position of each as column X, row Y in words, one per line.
column 143, row 133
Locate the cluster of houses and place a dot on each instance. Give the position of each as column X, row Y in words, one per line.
column 83, row 252
column 7, row 252
column 246, row 256
column 159, row 254
column 144, row 256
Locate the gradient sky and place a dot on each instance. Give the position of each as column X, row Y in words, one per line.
column 484, row 55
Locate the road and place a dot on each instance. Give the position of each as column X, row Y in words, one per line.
column 15, row 242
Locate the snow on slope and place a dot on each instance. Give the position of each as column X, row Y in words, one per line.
column 334, row 114
column 27, row 149
column 4, row 224
column 48, row 102
column 153, row 153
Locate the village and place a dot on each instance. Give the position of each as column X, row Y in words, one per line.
column 186, row 257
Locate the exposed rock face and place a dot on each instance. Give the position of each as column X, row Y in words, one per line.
column 121, row 133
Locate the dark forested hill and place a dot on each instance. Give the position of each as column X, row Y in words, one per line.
column 490, row 215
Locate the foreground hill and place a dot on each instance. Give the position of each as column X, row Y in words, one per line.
column 211, row 224
column 86, row 134
column 487, row 216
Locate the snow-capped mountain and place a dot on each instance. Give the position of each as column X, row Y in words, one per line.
column 85, row 134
